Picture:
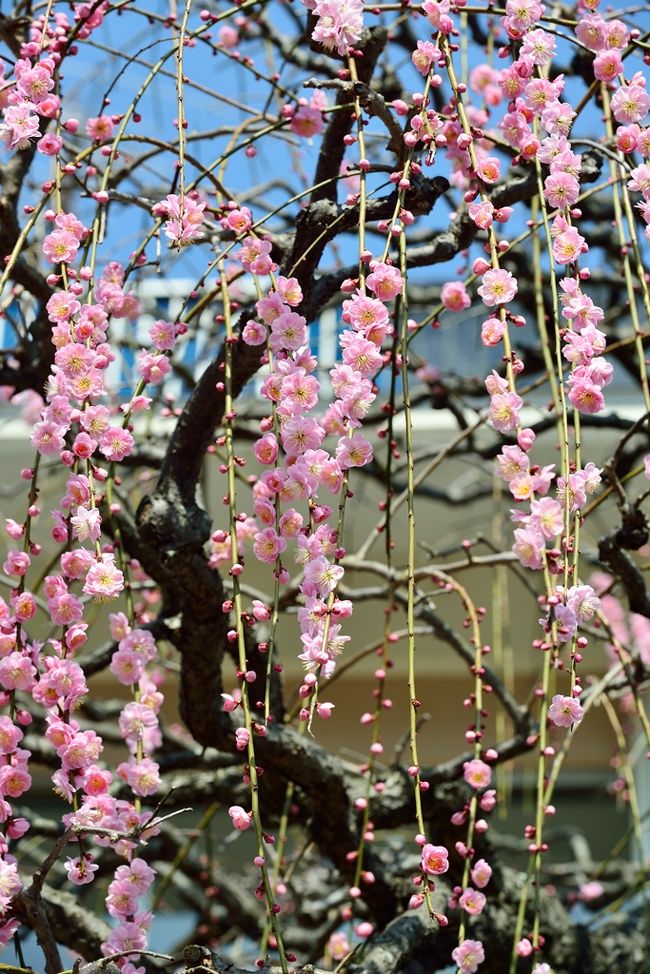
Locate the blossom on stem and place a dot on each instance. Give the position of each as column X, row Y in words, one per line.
column 565, row 711
column 498, row 287
column 184, row 218
column 454, row 296
column 81, row 869
column 241, row 819
column 435, row 859
column 472, row 901
column 104, row 579
column 477, row 773
column 468, row 955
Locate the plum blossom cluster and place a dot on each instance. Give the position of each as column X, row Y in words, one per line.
column 292, row 443
column 545, row 519
column 468, row 898
column 29, row 103
column 26, row 102
column 339, row 23
column 131, row 882
column 183, row 217
column 77, row 427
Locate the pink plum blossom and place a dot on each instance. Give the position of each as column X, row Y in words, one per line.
column 468, row 956
column 498, row 287
column 477, row 773
column 565, row 711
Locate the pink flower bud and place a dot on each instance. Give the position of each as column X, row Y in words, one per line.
column 241, row 820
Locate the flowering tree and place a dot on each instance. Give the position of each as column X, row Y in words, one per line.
column 415, row 173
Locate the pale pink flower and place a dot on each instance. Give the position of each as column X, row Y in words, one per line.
column 10, row 885
column 424, row 56
column 472, row 901
column 360, row 354
column 153, row 368
column 10, row 735
column 104, row 579
column 288, row 331
column 16, row 672
column 101, row 128
column 630, row 103
column 565, row 711
column 321, row 577
column 498, row 287
column 81, row 869
column 307, row 121
column 338, row 946
column 142, row 776
column 539, row 46
column 385, row 281
column 254, row 333
column 435, row 859
column 268, row 545
column 24, row 606
column 271, row 307
column 20, row 125
column 586, row 396
column 541, row 92
column 238, row 219
column 353, row 451
column 454, row 296
column 512, row 461
column 163, row 334
column 568, row 245
column 583, row 601
column 561, row 189
column 477, row 773
column 266, row 449
column 116, row 443
column 608, row 65
column 16, row 563
column 528, row 547
column 504, row 411
column 86, row 524
column 299, row 391
column 488, row 169
column 339, row 24
column 289, row 290
column 468, row 955
column 61, row 306
column 365, row 314
column 481, row 873
column 65, row 610
column 482, row 214
column 254, row 255
column 492, row 331
column 301, row 433
column 60, row 246
column 557, row 118
column 14, row 781
column 640, row 181
column 241, row 819
column 127, row 666
column 546, row 517
column 590, row 891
